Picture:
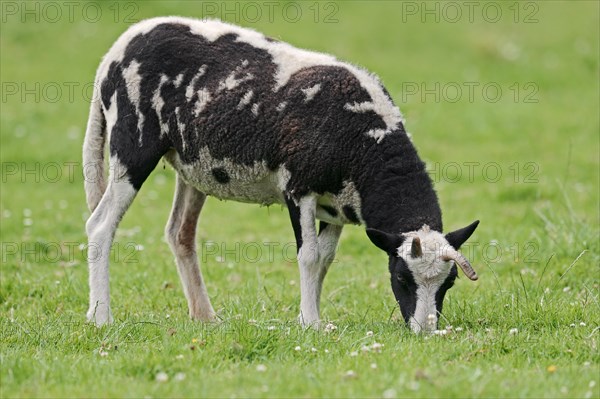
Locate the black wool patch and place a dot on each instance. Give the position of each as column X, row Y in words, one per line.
column 221, row 175
column 330, row 210
column 350, row 214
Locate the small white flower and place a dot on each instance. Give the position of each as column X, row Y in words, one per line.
column 389, row 393
column 298, row 349
column 252, row 321
column 261, row 368
column 326, row 350
column 292, row 282
column 513, row 331
column 365, row 348
column 440, row 332
column 313, row 350
column 167, row 316
column 271, row 328
column 179, row 357
column 572, row 325
column 350, row 374
column 103, row 353
column 377, row 347
column 353, row 354
column 139, row 247
column 458, row 329
column 330, row 327
column 582, row 324
column 566, row 289
column 592, row 384
column 373, row 366
column 179, row 377
column 162, row 377
column 27, row 212
column 369, row 333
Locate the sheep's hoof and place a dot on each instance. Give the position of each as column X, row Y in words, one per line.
column 306, row 323
column 100, row 316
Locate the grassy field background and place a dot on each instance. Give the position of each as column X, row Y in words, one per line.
column 520, row 152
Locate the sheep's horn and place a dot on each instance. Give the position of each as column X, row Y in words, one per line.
column 415, row 249
column 461, row 261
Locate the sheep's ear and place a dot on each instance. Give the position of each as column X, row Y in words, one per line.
column 385, row 241
column 458, row 237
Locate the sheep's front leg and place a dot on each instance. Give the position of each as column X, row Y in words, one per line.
column 315, row 254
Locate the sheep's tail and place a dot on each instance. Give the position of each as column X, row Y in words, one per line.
column 93, row 152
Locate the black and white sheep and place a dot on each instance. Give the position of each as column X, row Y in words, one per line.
column 244, row 117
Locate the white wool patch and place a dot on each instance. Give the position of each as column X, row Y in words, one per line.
column 110, row 115
column 178, row 80
column 429, row 272
column 232, row 81
column 180, row 127
column 367, row 106
column 133, row 82
column 204, row 98
column 189, row 91
column 281, row 106
column 246, row 99
column 348, row 196
column 252, row 184
column 310, row 92
column 255, row 107
column 158, row 103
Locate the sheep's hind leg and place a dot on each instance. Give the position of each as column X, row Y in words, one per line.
column 181, row 236
column 100, row 228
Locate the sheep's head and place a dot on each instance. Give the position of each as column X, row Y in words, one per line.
column 423, row 268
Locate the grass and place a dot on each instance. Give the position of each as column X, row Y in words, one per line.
column 536, row 251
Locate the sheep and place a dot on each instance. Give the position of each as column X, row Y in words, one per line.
column 241, row 116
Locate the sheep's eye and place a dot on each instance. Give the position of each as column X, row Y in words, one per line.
column 401, row 279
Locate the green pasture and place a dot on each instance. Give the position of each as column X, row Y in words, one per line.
column 502, row 102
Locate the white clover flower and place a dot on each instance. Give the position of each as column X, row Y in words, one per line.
column 353, row 354
column 298, row 349
column 313, row 350
column 377, row 347
column 162, row 377
column 261, row 368
column 330, row 327
column 513, row 331
column 369, row 333
column 179, row 377
column 271, row 328
column 350, row 374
